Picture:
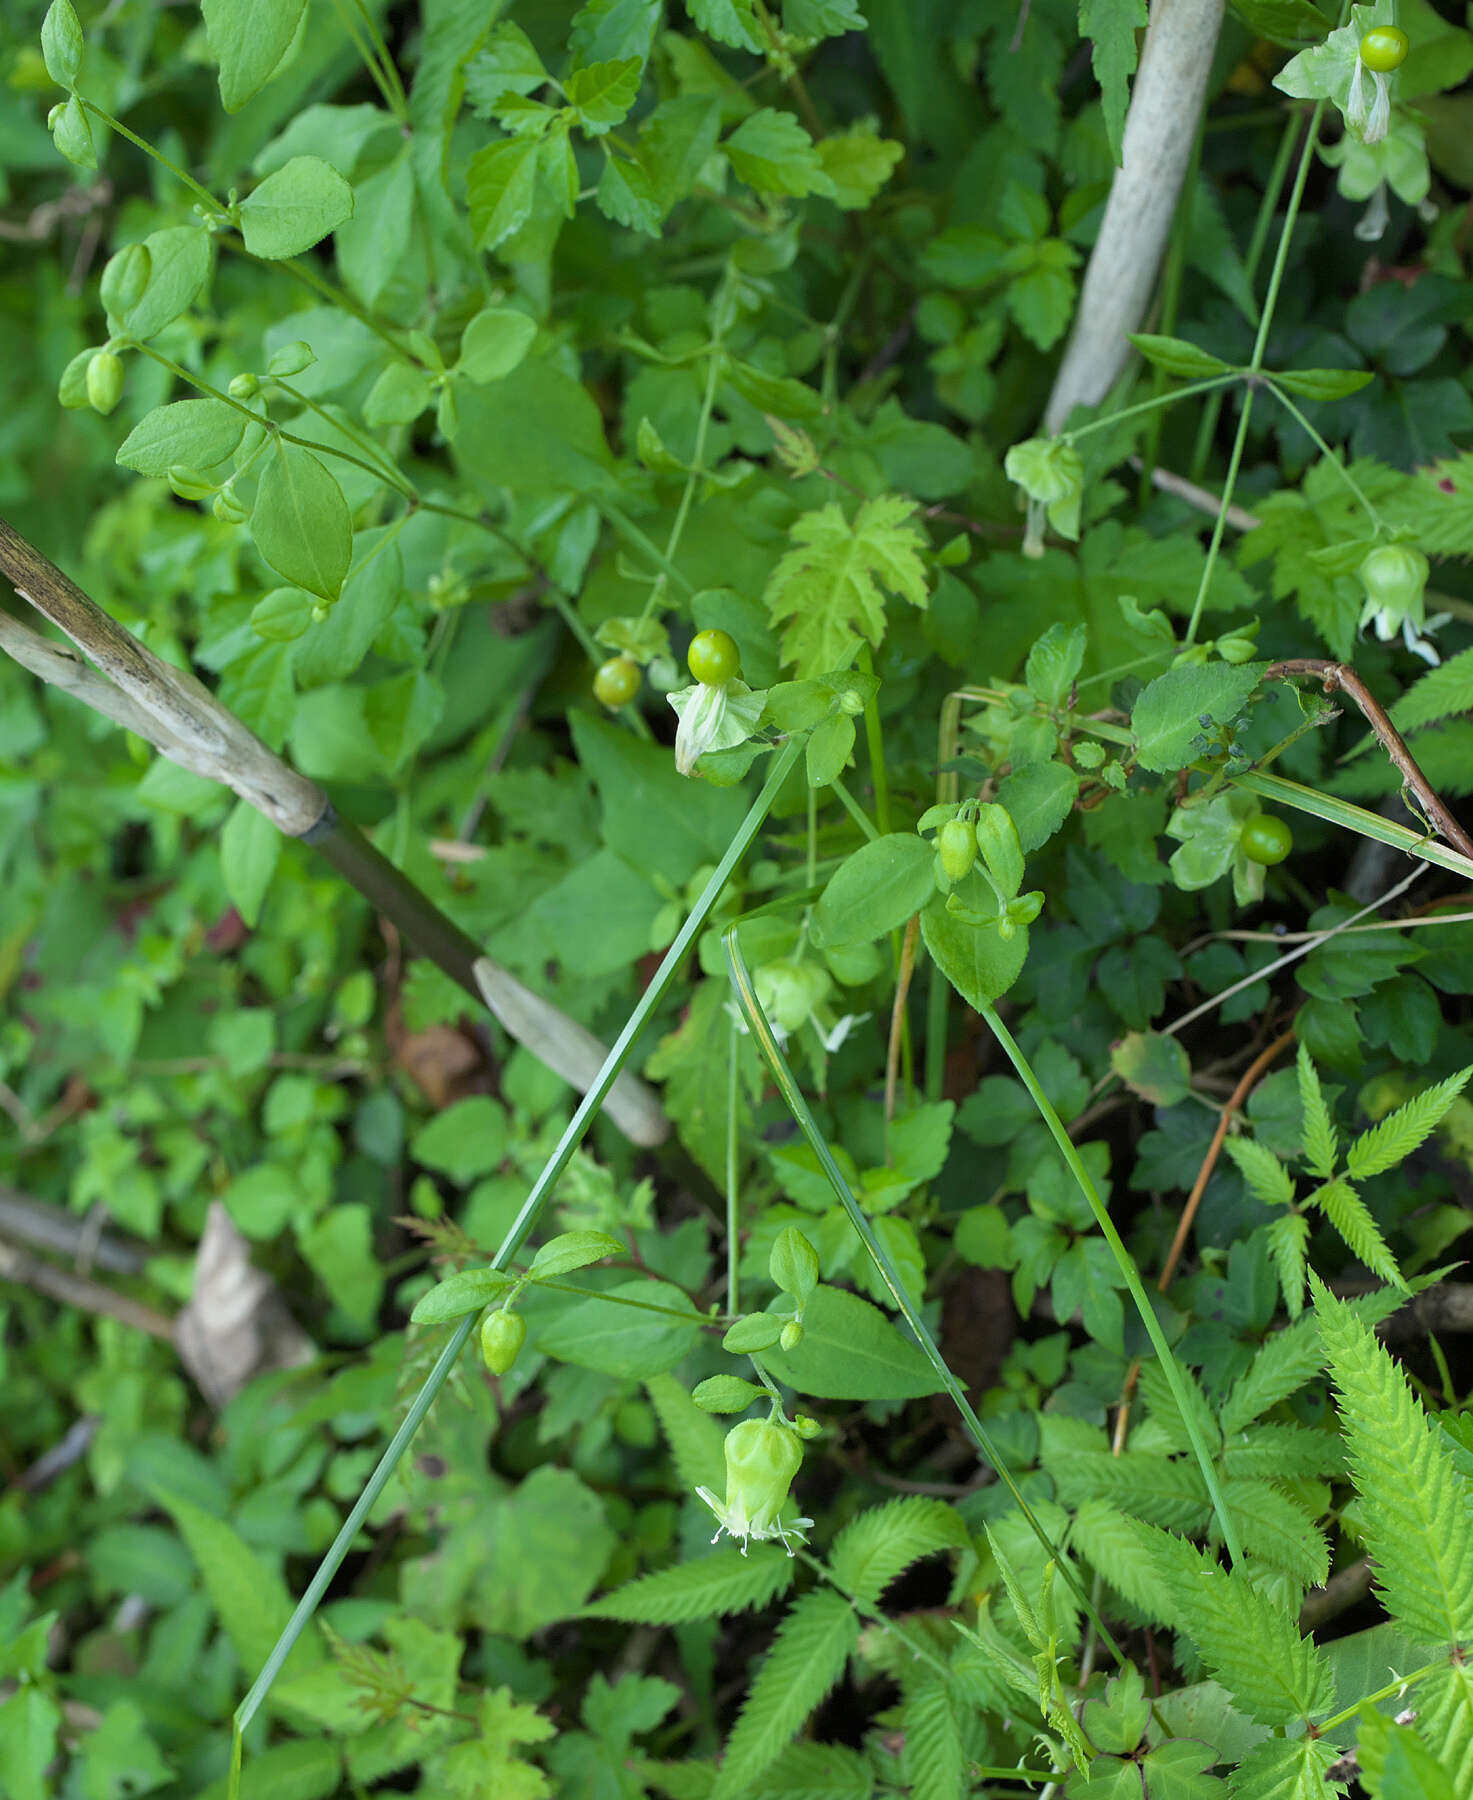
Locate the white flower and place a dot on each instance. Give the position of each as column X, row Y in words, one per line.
column 713, row 718
column 762, row 1457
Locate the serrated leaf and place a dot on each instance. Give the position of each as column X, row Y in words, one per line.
column 696, row 1441
column 1288, row 1240
column 602, row 93
column 1348, row 1213
column 772, row 152
column 1167, row 718
column 807, row 1658
column 1320, row 1142
column 711, row 1587
column 874, row 1548
column 1267, row 1178
column 1111, row 27
column 1282, row 1365
column 1414, row 1506
column 1276, row 1531
column 501, row 183
column 933, row 1760
column 1390, row 1142
column 1154, row 1488
column 1253, row 1647
column 1280, row 1770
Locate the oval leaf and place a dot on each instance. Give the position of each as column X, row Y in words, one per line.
column 301, row 522
column 294, row 208
column 467, row 1291
column 850, row 1351
column 877, row 889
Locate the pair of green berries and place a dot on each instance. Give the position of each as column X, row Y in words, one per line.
column 712, row 659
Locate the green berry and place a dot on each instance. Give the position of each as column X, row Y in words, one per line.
column 502, row 1335
column 104, row 381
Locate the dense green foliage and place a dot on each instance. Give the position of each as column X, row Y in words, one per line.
column 1050, row 1126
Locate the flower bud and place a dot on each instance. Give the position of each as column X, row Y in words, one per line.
column 1394, row 577
column 956, row 844
column 244, row 386
column 228, row 509
column 792, row 1335
column 190, row 484
column 105, row 381
column 502, row 1335
column 1050, row 473
column 805, row 1426
column 762, row 1457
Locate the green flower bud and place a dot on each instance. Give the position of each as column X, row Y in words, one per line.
column 956, row 845
column 291, row 359
column 1395, row 578
column 105, row 381
column 793, row 1265
column 190, row 484
column 502, row 1335
column 70, row 128
column 228, row 509
column 792, row 1335
column 762, row 1457
column 244, row 386
column 806, row 1427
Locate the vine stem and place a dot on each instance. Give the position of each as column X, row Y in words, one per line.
column 1128, row 1269
column 517, row 1234
column 1255, row 363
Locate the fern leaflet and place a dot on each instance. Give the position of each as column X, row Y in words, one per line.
column 1399, row 1133
column 1167, row 1415
column 873, row 1549
column 724, row 1582
column 1283, row 1453
column 1438, row 695
column 1267, row 1178
column 808, row 1656
column 1280, row 1770
column 1152, row 1487
column 1444, row 1706
column 696, row 1441
column 1280, row 1367
column 1277, row 1531
column 1348, row 1213
column 1319, row 1128
column 1413, row 1500
column 1288, row 1236
column 933, row 1745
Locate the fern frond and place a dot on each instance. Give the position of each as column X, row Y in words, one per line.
column 932, row 1762
column 1151, row 1487
column 1280, row 1367
column 874, row 1548
column 1286, row 1770
column 1288, row 1236
column 1399, row 1133
column 1319, row 1129
column 1167, row 1415
column 1444, row 1704
column 1277, row 1531
column 724, row 1582
column 1350, row 1216
column 1254, row 1649
column 1412, row 1499
column 1282, row 1453
column 1267, row 1178
column 807, row 1657
column 816, row 1772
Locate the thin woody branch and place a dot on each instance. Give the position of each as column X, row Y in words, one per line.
column 1338, row 677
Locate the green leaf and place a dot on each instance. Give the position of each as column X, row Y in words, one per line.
column 1319, row 1129
column 1154, row 1066
column 544, row 1548
column 294, row 208
column 301, row 522
column 875, row 890
column 1277, row 1531
column 1267, row 1178
column 29, row 1723
column 1112, row 29
column 1288, row 1241
column 808, row 1655
column 1348, row 1213
column 466, row 1291
column 1054, row 662
column 249, row 848
column 858, row 162
column 1177, row 357
column 494, row 343
column 726, row 1394
column 1167, row 718
column 401, row 714
column 1040, row 798
column 602, row 93
column 933, row 1759
column 696, row 1441
column 850, row 1351
column 1414, row 1506
column 1395, row 1764
column 1389, row 1143
column 469, row 1139
column 574, row 1250
column 249, row 39
column 757, row 1331
column 501, row 181
column 772, row 152
column 62, row 43
column 828, row 749
column 884, row 1541
column 1288, row 22
column 626, row 195
column 196, row 433
column 1277, row 1770
column 711, row 1587
column 629, row 1341
column 730, row 22
column 1322, row 384
column 179, row 264
column 977, row 960
column 1445, row 1718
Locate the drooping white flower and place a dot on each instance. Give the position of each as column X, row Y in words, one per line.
column 762, row 1457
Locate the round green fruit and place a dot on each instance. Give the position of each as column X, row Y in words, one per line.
column 617, row 682
column 1384, row 48
column 1265, row 839
column 713, row 658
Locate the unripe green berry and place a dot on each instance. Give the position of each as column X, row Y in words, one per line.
column 502, row 1335
column 957, row 843
column 105, row 381
column 244, row 386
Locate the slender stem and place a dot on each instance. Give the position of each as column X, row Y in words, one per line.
column 855, row 811
column 1324, row 449
column 1205, row 386
column 874, row 738
column 792, row 1094
column 520, row 1229
column 733, row 1234
column 1397, row 1687
column 628, row 530
column 202, row 194
column 1128, row 1270
column 1219, row 524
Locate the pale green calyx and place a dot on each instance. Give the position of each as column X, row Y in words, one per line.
column 1051, row 475
column 1336, row 71
column 762, row 1457
column 713, row 718
column 1395, row 579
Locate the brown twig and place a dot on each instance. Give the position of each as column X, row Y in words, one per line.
column 897, row 1014
column 1337, row 676
column 1342, row 1591
column 75, row 1290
